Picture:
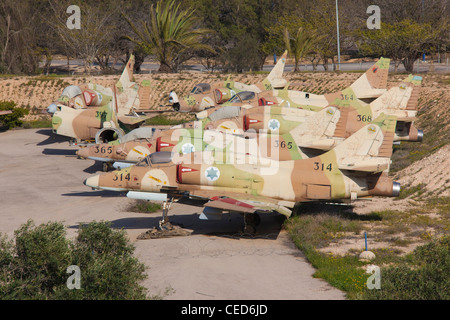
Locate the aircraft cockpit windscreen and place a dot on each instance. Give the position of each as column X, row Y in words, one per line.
column 71, row 91
column 161, row 157
column 201, row 88
column 242, row 96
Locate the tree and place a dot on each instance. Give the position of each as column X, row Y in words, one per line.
column 403, row 42
column 18, row 37
column 93, row 39
column 300, row 45
column 170, row 34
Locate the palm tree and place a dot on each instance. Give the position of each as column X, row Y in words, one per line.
column 300, row 45
column 170, row 35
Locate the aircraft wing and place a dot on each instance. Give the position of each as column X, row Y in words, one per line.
column 249, row 204
column 216, row 205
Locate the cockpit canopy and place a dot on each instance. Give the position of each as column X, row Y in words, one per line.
column 201, row 88
column 71, row 91
column 242, row 97
column 156, row 158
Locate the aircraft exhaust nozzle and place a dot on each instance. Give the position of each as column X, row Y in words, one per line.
column 415, row 134
column 396, row 189
column 419, row 135
column 385, row 187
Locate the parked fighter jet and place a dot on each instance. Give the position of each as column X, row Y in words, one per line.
column 205, row 95
column 356, row 168
column 348, row 115
column 277, row 133
column 371, row 85
column 92, row 112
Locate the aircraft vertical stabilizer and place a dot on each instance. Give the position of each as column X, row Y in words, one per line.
column 373, row 82
column 127, row 75
column 370, row 148
column 275, row 78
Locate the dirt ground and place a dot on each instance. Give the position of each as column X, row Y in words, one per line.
column 41, row 179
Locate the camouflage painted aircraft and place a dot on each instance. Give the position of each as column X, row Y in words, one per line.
column 356, row 168
column 205, row 95
column 91, row 112
column 342, row 118
column 371, row 85
column 278, row 133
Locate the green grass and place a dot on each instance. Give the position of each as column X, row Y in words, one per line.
column 318, row 226
column 311, row 232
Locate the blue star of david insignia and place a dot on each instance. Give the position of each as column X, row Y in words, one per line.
column 212, row 174
column 274, row 124
column 188, row 148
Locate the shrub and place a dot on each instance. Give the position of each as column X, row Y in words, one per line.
column 35, row 266
column 11, row 120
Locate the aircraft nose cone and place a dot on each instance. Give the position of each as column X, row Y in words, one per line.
column 51, row 108
column 173, row 99
column 91, row 182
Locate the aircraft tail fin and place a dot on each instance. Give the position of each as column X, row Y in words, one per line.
column 316, row 132
column 373, row 82
column 275, row 78
column 127, row 75
column 401, row 100
column 370, row 148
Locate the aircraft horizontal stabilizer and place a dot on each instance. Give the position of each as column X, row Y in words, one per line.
column 370, row 165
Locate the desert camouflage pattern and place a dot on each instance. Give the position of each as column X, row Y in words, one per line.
column 278, row 133
column 204, row 95
column 355, row 168
column 91, row 112
column 343, row 117
column 371, row 85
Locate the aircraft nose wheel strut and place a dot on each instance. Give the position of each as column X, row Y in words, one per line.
column 165, row 224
